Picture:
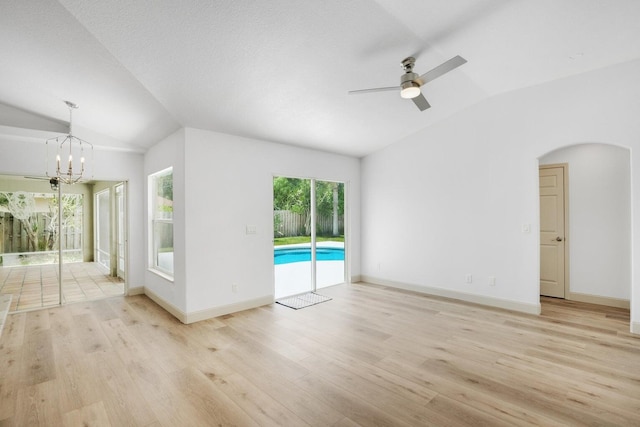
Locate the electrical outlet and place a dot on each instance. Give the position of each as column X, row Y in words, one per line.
column 492, row 280
column 234, row 288
column 468, row 278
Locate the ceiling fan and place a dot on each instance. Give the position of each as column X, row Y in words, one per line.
column 411, row 82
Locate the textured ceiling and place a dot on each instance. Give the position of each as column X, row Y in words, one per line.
column 280, row 70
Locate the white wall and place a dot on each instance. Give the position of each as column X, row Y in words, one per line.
column 451, row 200
column 599, row 218
column 25, row 156
column 229, row 185
column 168, row 153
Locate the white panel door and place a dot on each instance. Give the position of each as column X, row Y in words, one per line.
column 552, row 232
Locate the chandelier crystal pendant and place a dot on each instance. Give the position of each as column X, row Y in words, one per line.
column 69, row 149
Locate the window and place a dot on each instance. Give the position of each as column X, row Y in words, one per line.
column 29, row 228
column 161, row 213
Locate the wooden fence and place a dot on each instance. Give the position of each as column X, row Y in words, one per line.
column 13, row 237
column 287, row 224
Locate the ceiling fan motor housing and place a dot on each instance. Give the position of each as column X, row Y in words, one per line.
column 408, row 77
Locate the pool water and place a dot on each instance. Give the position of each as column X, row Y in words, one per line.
column 289, row 255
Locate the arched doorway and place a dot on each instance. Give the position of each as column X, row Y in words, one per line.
column 598, row 231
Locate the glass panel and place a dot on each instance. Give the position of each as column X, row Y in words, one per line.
column 292, row 236
column 29, row 236
column 164, row 196
column 329, row 233
column 163, row 249
column 72, row 227
column 29, row 228
column 103, row 234
column 28, row 243
column 161, row 208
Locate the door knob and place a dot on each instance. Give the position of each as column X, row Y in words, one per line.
column 558, row 239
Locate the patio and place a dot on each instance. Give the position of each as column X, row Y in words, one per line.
column 36, row 286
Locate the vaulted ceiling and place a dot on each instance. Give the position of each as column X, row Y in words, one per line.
column 280, row 70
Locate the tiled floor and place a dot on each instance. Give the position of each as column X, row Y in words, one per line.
column 36, row 286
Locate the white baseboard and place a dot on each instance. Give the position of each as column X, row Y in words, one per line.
column 139, row 290
column 596, row 299
column 635, row 328
column 356, row 279
column 519, row 306
column 175, row 311
column 209, row 313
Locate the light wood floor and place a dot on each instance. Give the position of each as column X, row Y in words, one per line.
column 371, row 356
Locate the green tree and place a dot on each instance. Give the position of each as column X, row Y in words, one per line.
column 293, row 194
column 165, row 186
column 22, row 206
column 71, row 217
column 330, row 202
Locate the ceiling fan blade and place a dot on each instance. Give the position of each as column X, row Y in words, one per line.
column 441, row 69
column 421, row 102
column 377, row 89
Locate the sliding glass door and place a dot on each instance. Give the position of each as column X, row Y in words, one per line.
column 308, row 225
column 292, row 236
column 90, row 230
column 32, row 229
column 329, row 242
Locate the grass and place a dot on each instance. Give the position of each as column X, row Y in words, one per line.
column 278, row 241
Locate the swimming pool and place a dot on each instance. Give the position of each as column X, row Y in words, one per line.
column 301, row 254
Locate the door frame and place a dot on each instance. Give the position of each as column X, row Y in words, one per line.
column 567, row 241
column 347, row 227
column 96, row 228
column 113, row 217
column 121, row 267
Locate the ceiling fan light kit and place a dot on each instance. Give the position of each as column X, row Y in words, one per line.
column 411, row 82
column 409, row 90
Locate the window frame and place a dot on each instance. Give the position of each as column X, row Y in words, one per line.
column 154, row 220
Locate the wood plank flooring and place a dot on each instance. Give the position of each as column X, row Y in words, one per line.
column 371, row 356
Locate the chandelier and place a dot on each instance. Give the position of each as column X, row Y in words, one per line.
column 68, row 148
